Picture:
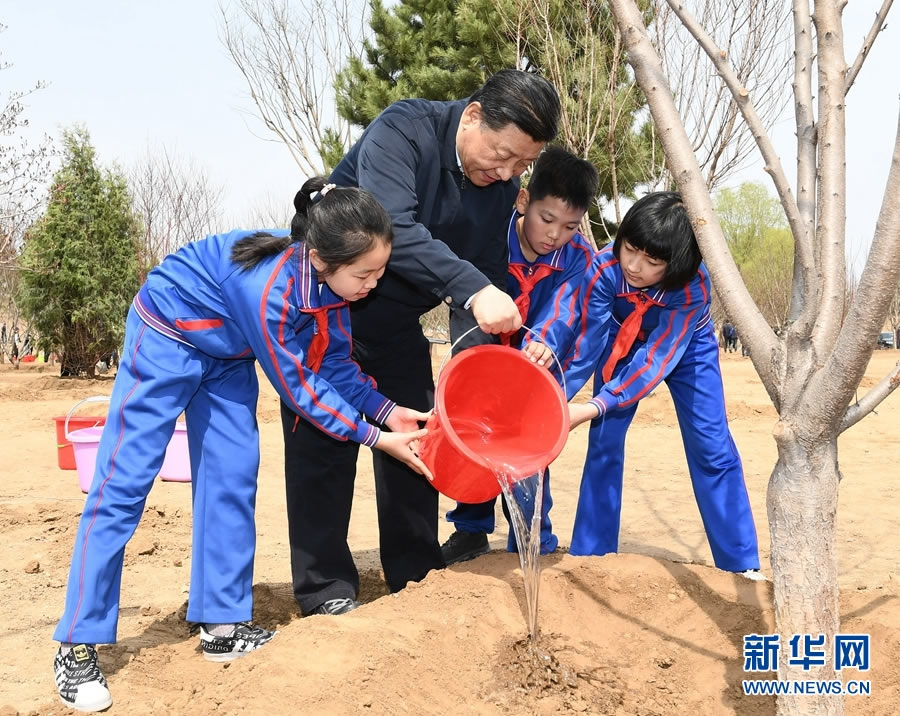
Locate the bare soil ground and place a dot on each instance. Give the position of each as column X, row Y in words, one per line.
column 655, row 630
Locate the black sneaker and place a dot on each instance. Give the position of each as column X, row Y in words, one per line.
column 80, row 682
column 333, row 607
column 463, row 546
column 244, row 638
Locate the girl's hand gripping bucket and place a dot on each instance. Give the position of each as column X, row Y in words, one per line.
column 494, row 410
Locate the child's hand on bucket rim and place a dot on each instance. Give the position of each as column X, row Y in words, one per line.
column 403, row 446
column 405, row 420
column 538, row 353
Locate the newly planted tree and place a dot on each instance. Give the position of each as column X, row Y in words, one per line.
column 812, row 372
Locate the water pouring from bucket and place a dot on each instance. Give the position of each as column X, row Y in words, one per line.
column 499, row 420
column 493, row 408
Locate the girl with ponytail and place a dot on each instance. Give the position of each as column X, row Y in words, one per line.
column 203, row 319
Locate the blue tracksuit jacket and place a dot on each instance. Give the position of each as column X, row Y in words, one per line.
column 676, row 344
column 200, row 297
column 555, row 300
column 191, row 338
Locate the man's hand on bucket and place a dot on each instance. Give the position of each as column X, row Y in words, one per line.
column 495, row 311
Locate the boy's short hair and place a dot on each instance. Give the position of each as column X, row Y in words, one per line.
column 560, row 173
column 658, row 225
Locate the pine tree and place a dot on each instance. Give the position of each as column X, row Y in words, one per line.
column 446, row 49
column 433, row 49
column 80, row 260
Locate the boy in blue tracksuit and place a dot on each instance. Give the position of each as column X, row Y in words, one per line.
column 645, row 318
column 195, row 329
column 547, row 262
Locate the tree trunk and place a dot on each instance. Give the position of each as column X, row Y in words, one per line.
column 802, row 510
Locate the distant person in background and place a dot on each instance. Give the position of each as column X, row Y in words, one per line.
column 730, row 337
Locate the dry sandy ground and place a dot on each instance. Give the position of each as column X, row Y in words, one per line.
column 654, row 630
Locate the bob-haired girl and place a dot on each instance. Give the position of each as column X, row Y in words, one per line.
column 645, row 319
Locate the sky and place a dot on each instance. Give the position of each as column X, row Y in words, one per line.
column 143, row 76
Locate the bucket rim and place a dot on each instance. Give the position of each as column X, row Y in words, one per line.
column 440, row 392
column 80, row 436
column 92, row 399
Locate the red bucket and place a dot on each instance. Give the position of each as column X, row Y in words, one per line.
column 65, row 456
column 493, row 409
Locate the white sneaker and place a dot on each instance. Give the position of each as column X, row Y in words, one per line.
column 244, row 638
column 80, row 682
column 754, row 574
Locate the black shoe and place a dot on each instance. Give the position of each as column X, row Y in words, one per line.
column 333, row 607
column 463, row 546
column 244, row 638
column 80, row 682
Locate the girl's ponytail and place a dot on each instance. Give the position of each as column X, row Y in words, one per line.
column 250, row 250
column 303, row 200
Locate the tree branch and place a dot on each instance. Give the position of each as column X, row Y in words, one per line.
column 831, row 193
column 871, row 400
column 877, row 27
column 806, row 286
column 764, row 347
column 846, row 365
column 748, row 111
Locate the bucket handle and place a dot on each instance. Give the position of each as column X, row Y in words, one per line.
column 537, row 335
column 92, row 399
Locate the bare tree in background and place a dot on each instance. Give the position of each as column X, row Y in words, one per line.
column 754, row 34
column 176, row 204
column 578, row 49
column 24, row 172
column 812, row 373
column 275, row 212
column 289, row 53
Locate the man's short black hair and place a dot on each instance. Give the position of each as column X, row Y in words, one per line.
column 560, row 173
column 521, row 98
column 658, row 225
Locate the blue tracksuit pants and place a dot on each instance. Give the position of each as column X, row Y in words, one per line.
column 715, row 467
column 157, row 380
column 480, row 518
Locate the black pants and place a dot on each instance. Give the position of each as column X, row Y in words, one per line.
column 319, row 476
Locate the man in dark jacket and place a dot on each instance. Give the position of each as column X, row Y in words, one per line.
column 447, row 172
